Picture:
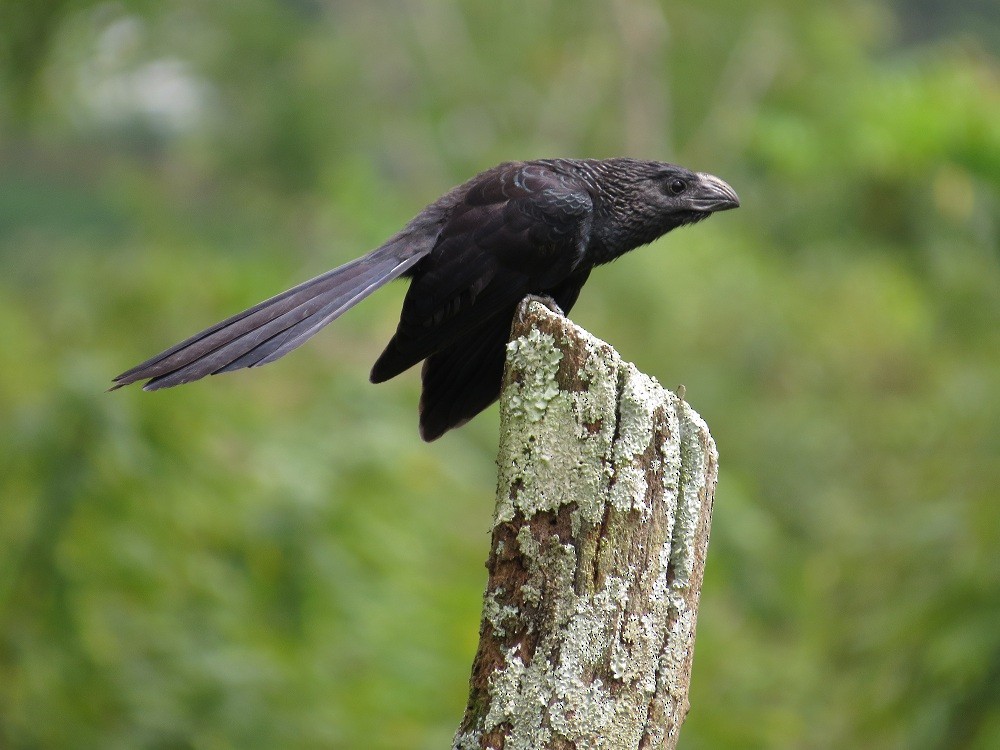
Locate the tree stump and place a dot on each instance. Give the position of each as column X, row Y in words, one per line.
column 604, row 501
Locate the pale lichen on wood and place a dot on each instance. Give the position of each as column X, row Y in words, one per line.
column 604, row 501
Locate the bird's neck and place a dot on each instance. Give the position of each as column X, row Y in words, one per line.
column 612, row 237
column 618, row 227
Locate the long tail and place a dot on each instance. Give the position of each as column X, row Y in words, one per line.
column 274, row 327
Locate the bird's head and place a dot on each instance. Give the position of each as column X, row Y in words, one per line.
column 648, row 199
column 676, row 196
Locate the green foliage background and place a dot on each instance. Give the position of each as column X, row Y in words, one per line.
column 272, row 559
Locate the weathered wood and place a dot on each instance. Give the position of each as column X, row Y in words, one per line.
column 604, row 501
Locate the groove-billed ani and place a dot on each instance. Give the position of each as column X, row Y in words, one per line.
column 534, row 227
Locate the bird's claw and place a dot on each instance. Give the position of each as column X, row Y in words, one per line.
column 545, row 301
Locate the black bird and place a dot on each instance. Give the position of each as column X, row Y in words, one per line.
column 532, row 227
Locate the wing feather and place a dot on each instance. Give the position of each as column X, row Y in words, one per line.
column 518, row 231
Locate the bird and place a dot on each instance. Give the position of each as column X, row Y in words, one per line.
column 521, row 228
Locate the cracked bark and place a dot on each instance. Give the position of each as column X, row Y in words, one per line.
column 604, row 501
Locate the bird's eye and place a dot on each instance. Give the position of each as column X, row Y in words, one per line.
column 676, row 187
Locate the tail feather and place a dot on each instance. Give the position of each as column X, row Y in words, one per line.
column 271, row 329
column 284, row 341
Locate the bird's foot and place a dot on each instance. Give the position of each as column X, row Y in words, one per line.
column 545, row 301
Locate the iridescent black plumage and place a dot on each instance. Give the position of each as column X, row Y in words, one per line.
column 535, row 227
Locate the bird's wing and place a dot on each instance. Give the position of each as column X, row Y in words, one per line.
column 464, row 378
column 517, row 230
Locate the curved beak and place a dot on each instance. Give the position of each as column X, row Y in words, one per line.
column 713, row 194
